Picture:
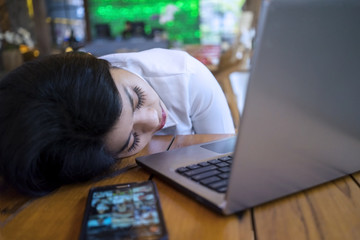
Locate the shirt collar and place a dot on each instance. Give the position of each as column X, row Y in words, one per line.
column 170, row 120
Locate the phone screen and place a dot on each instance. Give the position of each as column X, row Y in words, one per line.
column 126, row 211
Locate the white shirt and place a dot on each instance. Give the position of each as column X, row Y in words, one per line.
column 193, row 97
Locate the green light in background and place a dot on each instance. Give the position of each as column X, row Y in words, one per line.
column 184, row 27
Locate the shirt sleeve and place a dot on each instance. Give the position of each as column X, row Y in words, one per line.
column 210, row 113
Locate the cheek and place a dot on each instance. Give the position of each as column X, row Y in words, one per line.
column 144, row 140
column 152, row 96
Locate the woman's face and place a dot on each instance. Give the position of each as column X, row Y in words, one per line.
column 143, row 113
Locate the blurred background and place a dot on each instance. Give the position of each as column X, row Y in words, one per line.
column 107, row 26
column 217, row 32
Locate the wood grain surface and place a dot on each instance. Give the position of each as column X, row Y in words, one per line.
column 330, row 211
column 59, row 214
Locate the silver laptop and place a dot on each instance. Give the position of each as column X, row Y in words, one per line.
column 301, row 122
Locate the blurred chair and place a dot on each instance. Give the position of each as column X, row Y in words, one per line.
column 139, row 29
column 103, row 30
column 235, row 59
column 222, row 75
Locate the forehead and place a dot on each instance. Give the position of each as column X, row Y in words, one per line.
column 124, row 77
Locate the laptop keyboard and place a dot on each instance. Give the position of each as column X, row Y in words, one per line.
column 213, row 174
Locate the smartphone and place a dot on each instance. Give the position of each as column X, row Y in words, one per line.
column 125, row 211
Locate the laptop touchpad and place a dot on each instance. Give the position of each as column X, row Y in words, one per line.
column 224, row 146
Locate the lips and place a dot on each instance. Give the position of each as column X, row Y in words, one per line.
column 163, row 118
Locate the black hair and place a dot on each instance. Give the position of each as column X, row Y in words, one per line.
column 54, row 115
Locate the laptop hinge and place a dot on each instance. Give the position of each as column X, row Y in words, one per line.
column 222, row 205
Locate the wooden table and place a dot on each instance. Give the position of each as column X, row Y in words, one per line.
column 330, row 211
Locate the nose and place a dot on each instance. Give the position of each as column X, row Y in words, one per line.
column 146, row 120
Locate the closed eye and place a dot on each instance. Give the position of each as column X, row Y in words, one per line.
column 135, row 143
column 141, row 97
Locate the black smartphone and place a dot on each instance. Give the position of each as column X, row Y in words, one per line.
column 125, row 211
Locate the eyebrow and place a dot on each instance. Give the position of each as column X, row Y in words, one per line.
column 132, row 107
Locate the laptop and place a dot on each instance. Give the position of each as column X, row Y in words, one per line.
column 301, row 121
